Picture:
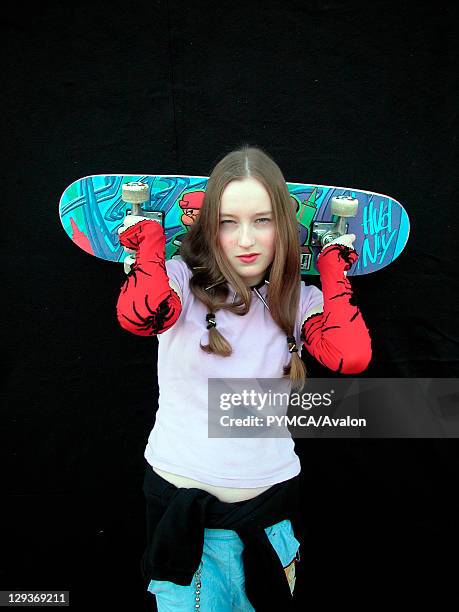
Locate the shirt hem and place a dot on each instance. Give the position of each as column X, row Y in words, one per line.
column 225, row 481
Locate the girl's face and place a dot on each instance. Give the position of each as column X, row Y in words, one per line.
column 246, row 227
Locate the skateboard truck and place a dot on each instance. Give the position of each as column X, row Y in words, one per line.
column 342, row 207
column 136, row 193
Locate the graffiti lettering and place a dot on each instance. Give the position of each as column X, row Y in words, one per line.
column 375, row 247
column 377, row 228
column 375, row 220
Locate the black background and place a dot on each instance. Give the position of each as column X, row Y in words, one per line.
column 340, row 93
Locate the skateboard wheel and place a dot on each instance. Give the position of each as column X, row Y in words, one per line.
column 344, row 206
column 135, row 192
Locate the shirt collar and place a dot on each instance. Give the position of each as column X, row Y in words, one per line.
column 260, row 289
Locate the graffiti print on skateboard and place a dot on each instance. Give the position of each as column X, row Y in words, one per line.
column 92, row 208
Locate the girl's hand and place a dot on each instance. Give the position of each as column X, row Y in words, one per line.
column 345, row 239
column 128, row 261
column 128, row 222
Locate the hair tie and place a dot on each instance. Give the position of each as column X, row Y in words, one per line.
column 210, row 318
column 291, row 341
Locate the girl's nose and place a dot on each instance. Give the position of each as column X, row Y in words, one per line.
column 246, row 237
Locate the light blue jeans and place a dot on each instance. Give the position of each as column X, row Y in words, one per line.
column 218, row 584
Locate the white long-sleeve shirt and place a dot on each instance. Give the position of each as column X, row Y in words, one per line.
column 179, row 441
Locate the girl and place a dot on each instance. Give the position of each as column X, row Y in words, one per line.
column 223, row 514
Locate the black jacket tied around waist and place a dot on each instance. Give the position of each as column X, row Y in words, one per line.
column 176, row 518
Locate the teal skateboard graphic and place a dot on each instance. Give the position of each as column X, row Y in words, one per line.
column 92, row 208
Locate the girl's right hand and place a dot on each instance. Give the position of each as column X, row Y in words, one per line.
column 131, row 236
column 129, row 221
column 128, row 262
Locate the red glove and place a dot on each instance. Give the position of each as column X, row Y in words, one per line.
column 338, row 337
column 147, row 305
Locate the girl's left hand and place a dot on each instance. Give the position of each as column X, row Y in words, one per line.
column 345, row 239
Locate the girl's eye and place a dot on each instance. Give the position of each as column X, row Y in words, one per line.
column 260, row 219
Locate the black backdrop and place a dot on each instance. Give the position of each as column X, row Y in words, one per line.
column 338, row 92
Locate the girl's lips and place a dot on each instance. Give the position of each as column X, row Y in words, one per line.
column 247, row 259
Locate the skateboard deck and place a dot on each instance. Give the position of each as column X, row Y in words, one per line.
column 92, row 208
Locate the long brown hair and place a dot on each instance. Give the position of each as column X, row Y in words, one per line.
column 202, row 253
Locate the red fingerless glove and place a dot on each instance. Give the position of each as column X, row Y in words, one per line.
column 338, row 337
column 147, row 305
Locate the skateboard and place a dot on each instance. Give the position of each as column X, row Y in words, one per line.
column 92, row 208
